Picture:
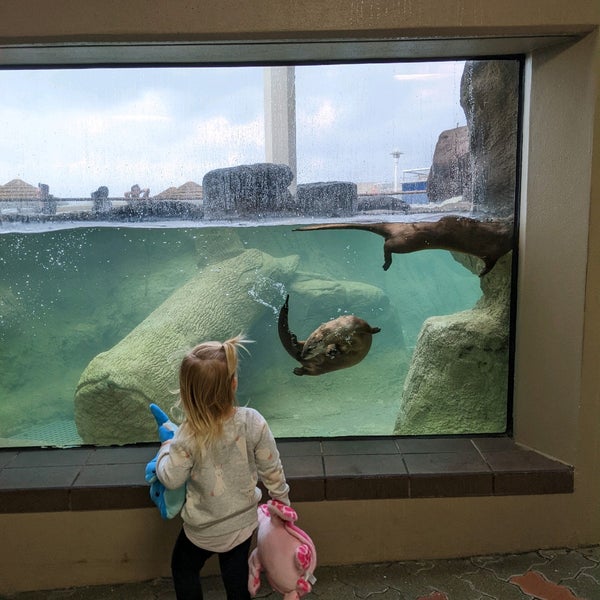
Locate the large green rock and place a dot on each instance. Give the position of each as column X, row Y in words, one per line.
column 458, row 377
column 224, row 299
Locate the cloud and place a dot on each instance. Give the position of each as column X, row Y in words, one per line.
column 219, row 131
column 140, row 118
column 162, row 127
column 149, row 106
column 146, row 109
column 420, row 76
column 324, row 117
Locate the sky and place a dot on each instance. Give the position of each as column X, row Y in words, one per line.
column 78, row 129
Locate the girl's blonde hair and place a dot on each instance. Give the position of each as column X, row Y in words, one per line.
column 206, row 388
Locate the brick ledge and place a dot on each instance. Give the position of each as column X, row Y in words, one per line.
column 90, row 478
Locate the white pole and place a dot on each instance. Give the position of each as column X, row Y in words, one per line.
column 280, row 117
column 396, row 154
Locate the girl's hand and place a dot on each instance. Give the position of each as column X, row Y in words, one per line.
column 166, row 428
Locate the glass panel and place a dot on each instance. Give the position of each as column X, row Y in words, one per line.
column 365, row 209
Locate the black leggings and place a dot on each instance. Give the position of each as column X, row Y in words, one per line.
column 188, row 560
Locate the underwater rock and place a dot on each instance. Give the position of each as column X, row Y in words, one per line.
column 315, row 297
column 247, row 191
column 327, row 199
column 337, row 344
column 215, row 245
column 115, row 389
column 12, row 313
column 321, row 295
column 458, row 377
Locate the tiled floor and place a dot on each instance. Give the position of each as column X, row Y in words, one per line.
column 544, row 575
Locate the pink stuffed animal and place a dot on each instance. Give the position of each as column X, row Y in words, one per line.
column 285, row 552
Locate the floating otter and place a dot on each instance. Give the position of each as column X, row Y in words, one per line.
column 488, row 240
column 334, row 345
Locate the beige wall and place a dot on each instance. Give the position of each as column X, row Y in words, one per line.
column 557, row 390
column 60, row 20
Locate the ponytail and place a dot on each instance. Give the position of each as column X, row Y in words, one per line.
column 230, row 347
column 207, row 392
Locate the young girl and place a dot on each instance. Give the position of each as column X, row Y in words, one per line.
column 220, row 450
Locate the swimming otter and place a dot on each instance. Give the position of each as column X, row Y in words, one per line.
column 488, row 240
column 337, row 344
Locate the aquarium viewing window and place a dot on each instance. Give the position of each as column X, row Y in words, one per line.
column 357, row 221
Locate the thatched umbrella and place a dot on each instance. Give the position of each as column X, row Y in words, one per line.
column 188, row 191
column 18, row 190
column 165, row 194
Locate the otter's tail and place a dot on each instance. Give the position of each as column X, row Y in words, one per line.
column 378, row 228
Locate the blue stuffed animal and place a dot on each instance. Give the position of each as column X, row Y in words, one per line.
column 169, row 502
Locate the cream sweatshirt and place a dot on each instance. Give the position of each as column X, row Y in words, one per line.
column 221, row 492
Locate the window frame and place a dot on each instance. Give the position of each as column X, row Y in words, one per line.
column 92, row 55
column 121, row 58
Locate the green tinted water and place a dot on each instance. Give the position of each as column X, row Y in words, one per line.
column 66, row 296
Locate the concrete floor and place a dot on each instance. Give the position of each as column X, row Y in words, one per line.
column 561, row 574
